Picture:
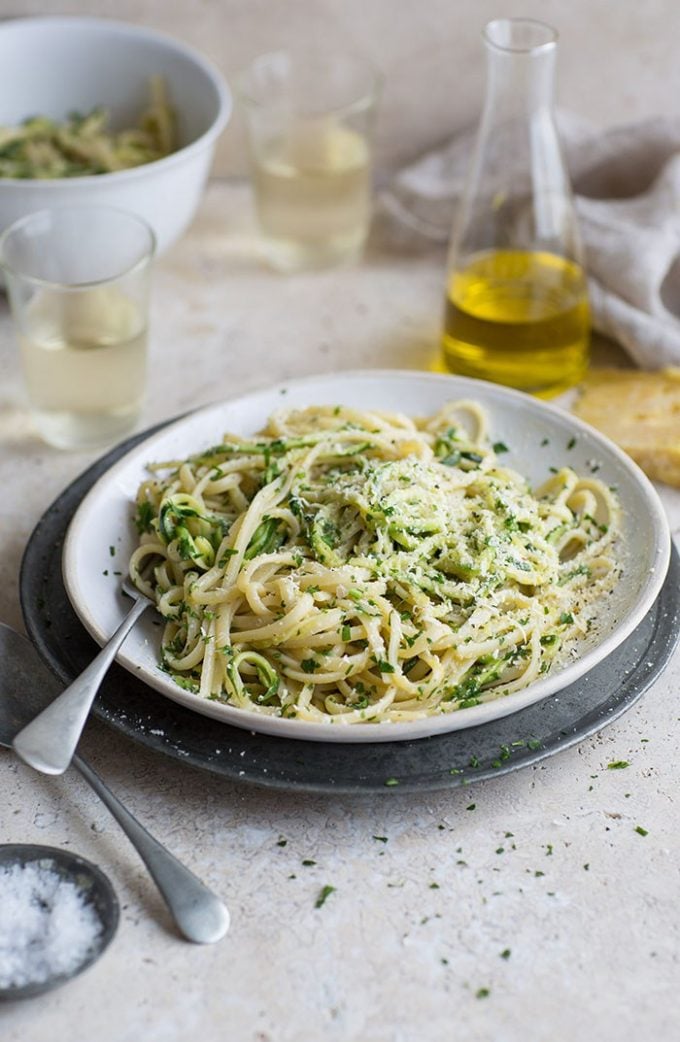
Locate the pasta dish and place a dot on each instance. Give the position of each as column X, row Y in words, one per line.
column 83, row 144
column 349, row 567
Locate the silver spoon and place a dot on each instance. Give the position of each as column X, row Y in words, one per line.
column 49, row 742
column 26, row 686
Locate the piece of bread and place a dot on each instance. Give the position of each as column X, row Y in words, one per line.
column 640, row 411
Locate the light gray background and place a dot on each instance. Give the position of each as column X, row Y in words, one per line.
column 618, row 59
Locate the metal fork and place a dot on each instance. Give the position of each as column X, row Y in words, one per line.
column 49, row 741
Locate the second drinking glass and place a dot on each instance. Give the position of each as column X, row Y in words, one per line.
column 309, row 120
column 78, row 284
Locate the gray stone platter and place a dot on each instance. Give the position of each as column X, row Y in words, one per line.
column 441, row 762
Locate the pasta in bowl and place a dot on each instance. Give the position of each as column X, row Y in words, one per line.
column 350, row 566
column 555, row 468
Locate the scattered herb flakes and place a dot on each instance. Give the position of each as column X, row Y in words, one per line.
column 617, row 765
column 144, row 517
column 471, row 806
column 505, row 954
column 538, row 873
column 309, row 665
column 434, row 886
column 307, row 862
column 546, row 441
column 482, row 993
column 548, row 849
column 500, row 850
column 281, row 841
column 586, row 867
column 500, row 447
column 571, row 443
column 112, row 551
column 640, row 831
column 391, row 781
column 381, row 839
column 324, row 893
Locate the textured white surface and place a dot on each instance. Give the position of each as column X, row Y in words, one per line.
column 389, row 957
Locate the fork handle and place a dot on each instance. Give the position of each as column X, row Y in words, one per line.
column 49, row 741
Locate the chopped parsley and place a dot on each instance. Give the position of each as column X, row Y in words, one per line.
column 144, row 516
column 324, row 894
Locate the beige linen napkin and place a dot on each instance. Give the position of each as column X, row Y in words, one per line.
column 627, row 186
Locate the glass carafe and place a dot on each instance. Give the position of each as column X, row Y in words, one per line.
column 516, row 298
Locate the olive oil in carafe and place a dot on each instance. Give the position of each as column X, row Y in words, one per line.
column 520, row 318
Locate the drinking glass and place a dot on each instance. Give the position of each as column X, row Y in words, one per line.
column 309, row 119
column 77, row 278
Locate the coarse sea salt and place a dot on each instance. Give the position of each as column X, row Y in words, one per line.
column 47, row 928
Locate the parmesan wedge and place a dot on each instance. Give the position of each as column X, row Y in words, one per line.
column 640, row 411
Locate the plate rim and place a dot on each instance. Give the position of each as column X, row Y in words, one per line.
column 112, row 708
column 385, row 731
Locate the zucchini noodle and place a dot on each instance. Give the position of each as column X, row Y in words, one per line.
column 83, row 144
column 350, row 567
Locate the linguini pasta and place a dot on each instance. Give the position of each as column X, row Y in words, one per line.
column 349, row 567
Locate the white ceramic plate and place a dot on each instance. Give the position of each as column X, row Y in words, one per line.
column 101, row 536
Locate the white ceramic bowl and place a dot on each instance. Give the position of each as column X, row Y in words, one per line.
column 54, row 66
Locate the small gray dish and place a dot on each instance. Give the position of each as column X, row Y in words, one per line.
column 94, row 887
